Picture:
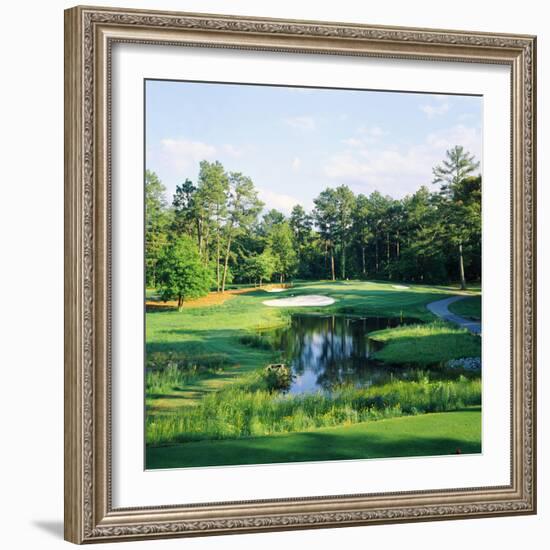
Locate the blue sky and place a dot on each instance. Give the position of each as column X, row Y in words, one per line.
column 295, row 142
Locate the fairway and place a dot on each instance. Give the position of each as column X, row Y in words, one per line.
column 424, row 435
column 216, row 330
column 221, row 399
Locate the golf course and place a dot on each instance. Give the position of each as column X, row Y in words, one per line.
column 370, row 394
column 300, row 313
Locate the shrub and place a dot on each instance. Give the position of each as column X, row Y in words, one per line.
column 278, row 377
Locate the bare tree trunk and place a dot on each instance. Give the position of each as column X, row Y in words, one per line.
column 204, row 239
column 332, row 263
column 206, row 242
column 388, row 254
column 226, row 262
column 199, row 235
column 218, row 262
column 397, row 248
column 218, row 247
column 461, row 267
column 363, row 257
column 180, row 302
column 376, row 253
column 343, row 260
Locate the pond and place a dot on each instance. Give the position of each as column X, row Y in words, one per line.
column 324, row 352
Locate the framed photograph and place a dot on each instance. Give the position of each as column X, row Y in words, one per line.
column 300, row 274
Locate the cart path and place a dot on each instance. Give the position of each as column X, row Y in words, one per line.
column 441, row 309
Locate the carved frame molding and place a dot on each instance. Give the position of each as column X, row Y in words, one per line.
column 89, row 35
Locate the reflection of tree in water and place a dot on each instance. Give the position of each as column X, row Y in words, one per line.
column 334, row 349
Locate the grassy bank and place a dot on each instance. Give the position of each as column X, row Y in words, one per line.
column 204, row 386
column 198, row 337
column 237, row 412
column 196, row 333
column 424, row 435
column 469, row 308
column 427, row 344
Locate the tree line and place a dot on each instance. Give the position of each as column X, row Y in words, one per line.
column 215, row 232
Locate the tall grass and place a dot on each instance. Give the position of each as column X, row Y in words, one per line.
column 170, row 371
column 237, row 412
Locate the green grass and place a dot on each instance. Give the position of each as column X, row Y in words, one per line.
column 469, row 308
column 423, row 435
column 428, row 344
column 369, row 298
column 203, row 381
column 215, row 330
column 237, row 412
column 220, row 329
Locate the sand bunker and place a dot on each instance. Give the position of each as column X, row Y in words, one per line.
column 301, row 301
column 276, row 289
column 400, row 287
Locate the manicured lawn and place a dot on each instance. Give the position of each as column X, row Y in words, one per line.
column 217, row 329
column 426, row 344
column 469, row 308
column 373, row 299
column 423, row 435
column 214, row 375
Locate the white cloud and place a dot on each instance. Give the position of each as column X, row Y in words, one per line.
column 435, row 110
column 301, row 122
column 399, row 170
column 232, row 150
column 468, row 136
column 280, row 201
column 392, row 172
column 183, row 154
column 372, row 131
column 296, row 164
column 352, row 142
column 367, row 136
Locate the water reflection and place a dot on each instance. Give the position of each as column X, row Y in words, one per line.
column 324, row 352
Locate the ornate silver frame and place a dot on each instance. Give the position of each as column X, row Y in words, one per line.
column 89, row 35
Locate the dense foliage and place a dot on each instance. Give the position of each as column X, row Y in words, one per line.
column 180, row 273
column 431, row 236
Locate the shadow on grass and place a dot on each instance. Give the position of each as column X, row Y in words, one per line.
column 241, row 360
column 425, row 435
column 169, row 395
column 195, row 343
column 160, row 307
